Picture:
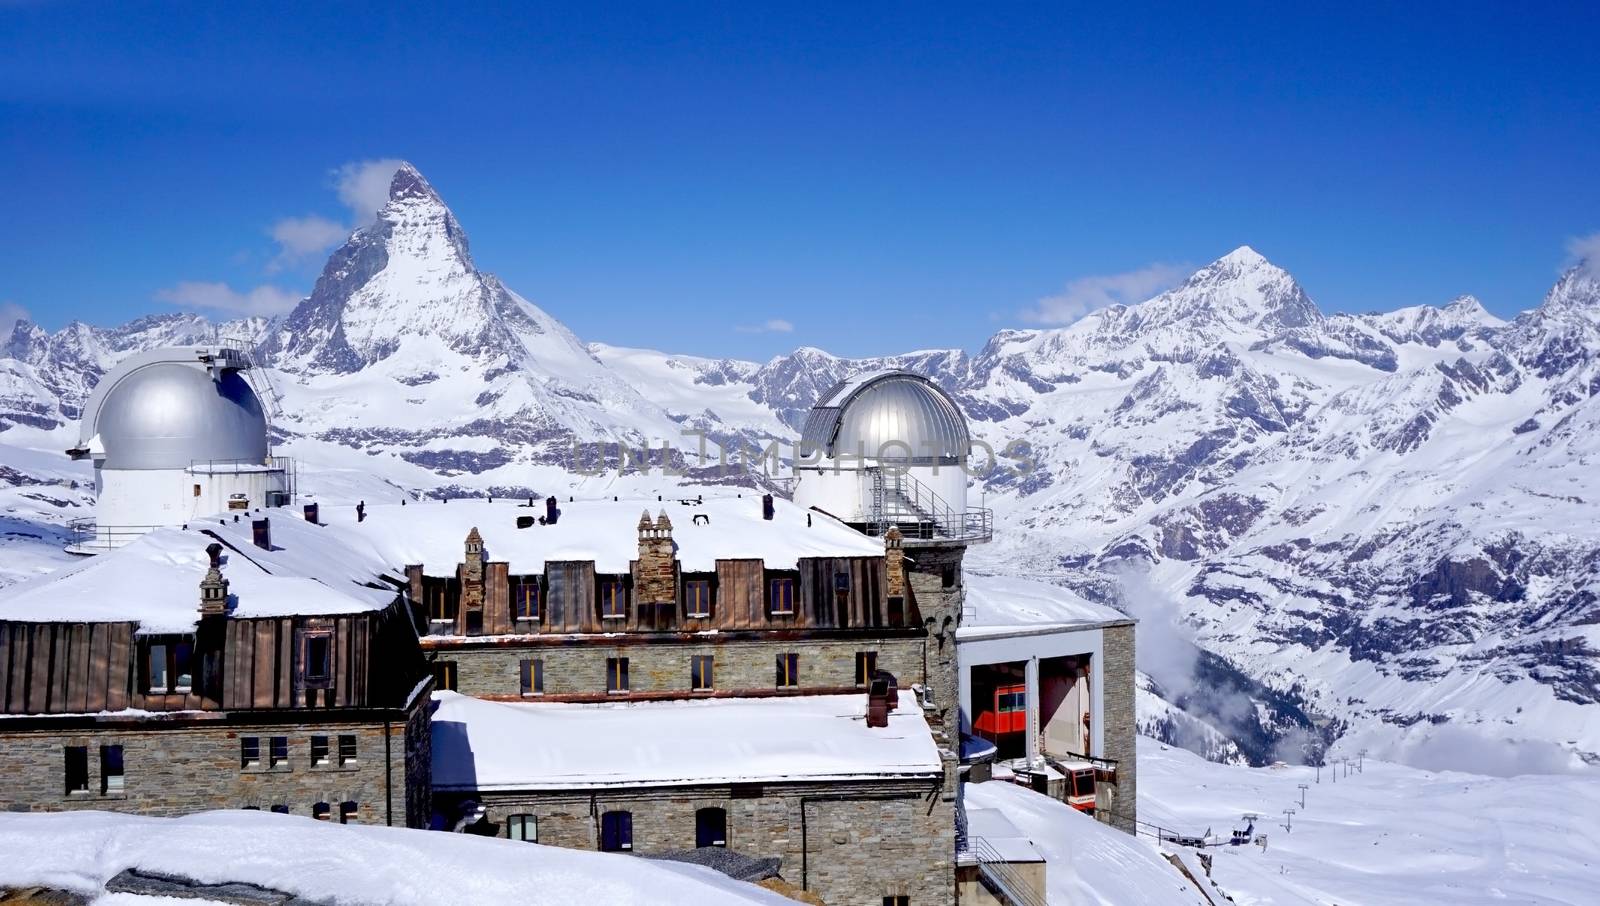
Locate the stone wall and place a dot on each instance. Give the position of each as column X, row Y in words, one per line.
column 741, row 666
column 1120, row 732
column 177, row 767
column 935, row 579
column 848, row 842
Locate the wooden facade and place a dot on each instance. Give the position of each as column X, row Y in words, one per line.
column 372, row 660
column 829, row 593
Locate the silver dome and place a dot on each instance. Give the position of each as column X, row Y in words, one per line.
column 167, row 415
column 893, row 415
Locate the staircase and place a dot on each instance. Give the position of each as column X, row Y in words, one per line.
column 898, row 499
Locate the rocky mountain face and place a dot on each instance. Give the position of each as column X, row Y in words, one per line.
column 1360, row 526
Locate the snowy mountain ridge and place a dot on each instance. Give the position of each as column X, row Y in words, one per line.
column 1376, row 523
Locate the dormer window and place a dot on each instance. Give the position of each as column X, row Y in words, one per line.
column 613, row 599
column 525, row 597
column 168, row 664
column 780, row 596
column 316, row 665
column 697, row 598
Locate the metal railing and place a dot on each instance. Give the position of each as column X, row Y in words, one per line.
column 920, row 513
column 997, row 874
column 85, row 536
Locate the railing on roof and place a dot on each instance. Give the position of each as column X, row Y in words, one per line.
column 900, row 500
column 85, row 536
column 994, row 872
column 284, row 464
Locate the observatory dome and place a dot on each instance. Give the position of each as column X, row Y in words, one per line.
column 893, row 414
column 166, row 415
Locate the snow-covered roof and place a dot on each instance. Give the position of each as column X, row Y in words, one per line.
column 484, row 745
column 322, row 862
column 604, row 531
column 1001, row 836
column 155, row 580
column 1005, row 605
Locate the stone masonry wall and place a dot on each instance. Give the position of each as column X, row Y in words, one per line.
column 1120, row 730
column 744, row 665
column 174, row 769
column 848, row 842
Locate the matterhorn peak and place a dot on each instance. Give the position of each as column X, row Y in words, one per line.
column 1243, row 256
column 408, row 182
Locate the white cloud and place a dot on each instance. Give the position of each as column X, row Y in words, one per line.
column 363, row 186
column 1585, row 252
column 300, row 238
column 11, row 313
column 771, row 325
column 262, row 300
column 1086, row 294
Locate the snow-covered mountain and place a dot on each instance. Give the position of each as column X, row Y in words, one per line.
column 1371, row 523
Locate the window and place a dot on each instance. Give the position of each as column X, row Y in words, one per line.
column 522, row 827
column 111, row 774
column 866, row 665
column 613, row 599
column 249, row 751
column 616, row 674
column 700, row 668
column 444, row 675
column 319, row 750
column 710, row 827
column 525, row 598
column 279, row 753
column 347, row 749
column 349, row 812
column 168, row 665
column 77, row 769
column 441, row 607
column 322, row 811
column 616, row 832
column 532, row 671
column 950, row 578
column 788, row 670
column 781, row 595
column 897, row 610
column 697, row 598
column 1010, row 702
column 898, row 900
column 317, row 668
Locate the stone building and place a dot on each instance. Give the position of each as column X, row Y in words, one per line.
column 233, row 663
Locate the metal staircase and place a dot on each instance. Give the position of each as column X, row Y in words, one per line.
column 898, row 499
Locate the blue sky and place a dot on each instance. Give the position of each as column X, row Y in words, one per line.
column 880, row 177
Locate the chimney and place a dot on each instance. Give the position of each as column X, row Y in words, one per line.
column 894, row 562
column 261, row 531
column 311, row 514
column 878, row 702
column 657, row 581
column 214, row 588
column 361, row 511
column 766, row 507
column 550, row 511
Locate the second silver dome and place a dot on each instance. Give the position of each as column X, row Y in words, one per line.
column 894, row 415
column 167, row 415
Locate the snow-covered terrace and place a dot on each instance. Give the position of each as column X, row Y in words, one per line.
column 482, row 745
column 604, row 531
column 999, row 606
column 155, row 581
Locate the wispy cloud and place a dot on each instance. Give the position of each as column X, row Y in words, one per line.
column 1585, row 252
column 772, row 325
column 262, row 300
column 363, row 186
column 1087, row 294
column 300, row 238
column 11, row 313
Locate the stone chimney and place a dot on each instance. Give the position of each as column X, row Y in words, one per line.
column 261, row 533
column 657, row 580
column 312, row 511
column 894, row 562
column 214, row 588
